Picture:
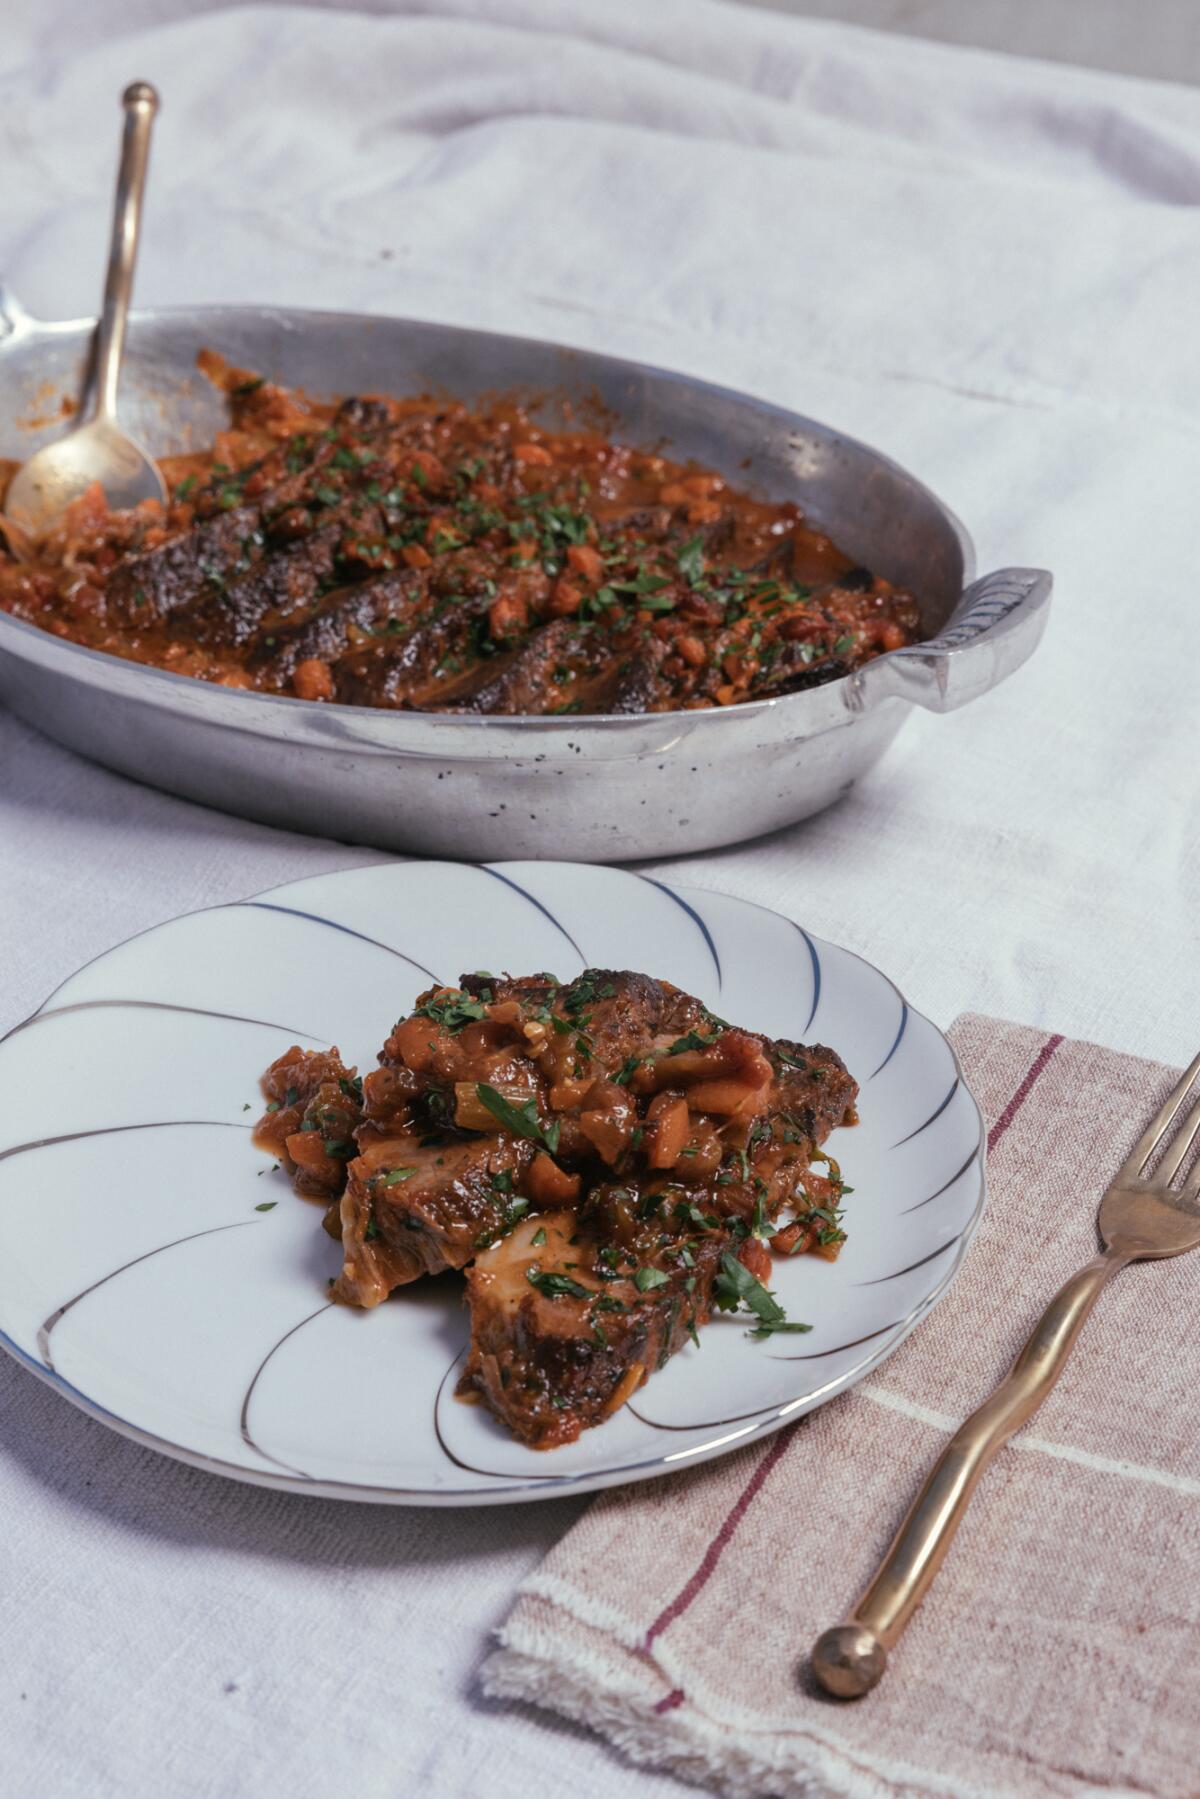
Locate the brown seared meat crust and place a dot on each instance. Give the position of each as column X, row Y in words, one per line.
column 424, row 555
column 605, row 1158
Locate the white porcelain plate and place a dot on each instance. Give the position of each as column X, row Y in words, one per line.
column 158, row 1272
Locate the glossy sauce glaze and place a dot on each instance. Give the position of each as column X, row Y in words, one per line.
column 423, row 555
column 605, row 1160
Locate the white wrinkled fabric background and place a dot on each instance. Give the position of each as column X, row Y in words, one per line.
column 990, row 269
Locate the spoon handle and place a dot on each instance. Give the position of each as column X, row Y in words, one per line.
column 141, row 103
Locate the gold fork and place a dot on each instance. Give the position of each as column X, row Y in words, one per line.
column 1141, row 1218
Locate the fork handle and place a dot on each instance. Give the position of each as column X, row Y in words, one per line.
column 849, row 1659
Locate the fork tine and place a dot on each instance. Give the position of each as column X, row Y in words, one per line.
column 1177, row 1154
column 1159, row 1126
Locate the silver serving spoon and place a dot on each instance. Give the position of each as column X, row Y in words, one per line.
column 99, row 450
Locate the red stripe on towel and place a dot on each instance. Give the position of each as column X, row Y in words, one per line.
column 1033, row 1075
column 712, row 1555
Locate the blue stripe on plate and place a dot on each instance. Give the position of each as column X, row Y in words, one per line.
column 347, row 930
column 695, row 918
column 156, row 1005
column 816, row 974
column 60, row 1312
column 896, row 1044
column 933, row 1116
column 534, row 901
column 113, row 1130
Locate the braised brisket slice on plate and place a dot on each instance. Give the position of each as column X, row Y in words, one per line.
column 414, row 1207
column 588, row 1152
column 570, row 1315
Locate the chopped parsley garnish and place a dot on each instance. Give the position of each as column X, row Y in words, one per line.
column 686, row 1213
column 647, row 1279
column 538, row 1237
column 735, row 1286
column 268, row 1205
column 395, row 1175
column 512, row 1214
column 690, row 562
column 452, row 1012
column 828, row 1225
column 642, row 585
column 521, row 1120
column 556, row 1286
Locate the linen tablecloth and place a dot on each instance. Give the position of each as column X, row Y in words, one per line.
column 987, row 267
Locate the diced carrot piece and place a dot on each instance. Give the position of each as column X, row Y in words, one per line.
column 674, row 494
column 567, row 1093
column 703, row 512
column 793, row 1239
column 412, row 1041
column 427, row 470
column 702, row 487
column 416, row 555
column 585, row 561
column 308, row 1151
column 667, row 1126
column 532, row 454
column 755, row 1256
column 607, row 1133
column 891, row 636
column 828, row 1252
column 727, row 1098
column 507, row 615
column 692, row 650
column 565, row 599
column 313, row 679
column 549, row 1185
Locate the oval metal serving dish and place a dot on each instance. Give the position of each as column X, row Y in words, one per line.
column 592, row 789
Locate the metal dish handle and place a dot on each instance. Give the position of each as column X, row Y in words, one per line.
column 13, row 315
column 994, row 629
